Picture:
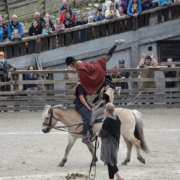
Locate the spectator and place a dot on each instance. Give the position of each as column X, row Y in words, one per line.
column 134, row 9
column 123, row 75
column 14, row 25
column 64, row 7
column 164, row 2
column 4, row 66
column 70, row 76
column 170, row 74
column 34, row 29
column 99, row 16
column 15, row 35
column 112, row 12
column 123, row 5
column 110, row 134
column 90, row 19
column 80, row 21
column 47, row 29
column 127, row 3
column 1, row 30
column 48, row 21
column 114, row 75
column 116, row 4
column 121, row 12
column 63, row 13
column 59, row 25
column 147, row 4
column 68, row 21
column 129, row 10
column 5, row 29
column 39, row 20
column 176, row 1
column 108, row 4
column 31, row 87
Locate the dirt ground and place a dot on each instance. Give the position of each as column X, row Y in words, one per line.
column 28, row 154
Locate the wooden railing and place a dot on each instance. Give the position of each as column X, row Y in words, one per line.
column 40, row 43
column 26, row 9
column 19, row 100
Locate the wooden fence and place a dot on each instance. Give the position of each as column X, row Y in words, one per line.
column 40, row 43
column 25, row 9
column 155, row 98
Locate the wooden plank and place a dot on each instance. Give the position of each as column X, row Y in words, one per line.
column 159, row 17
column 123, row 26
column 129, row 25
column 7, row 6
column 38, row 45
column 41, row 4
column 89, row 34
column 68, row 39
column 141, row 21
column 22, row 47
column 3, row 8
column 22, row 3
column 60, row 38
column 16, row 50
column 44, row 43
column 147, row 17
column 166, row 14
column 83, row 35
column 173, row 12
column 135, row 23
column 9, row 52
column 110, row 29
column 103, row 30
column 178, row 11
column 53, row 9
column 117, row 27
column 52, row 40
column 45, row 7
column 96, row 32
column 31, row 47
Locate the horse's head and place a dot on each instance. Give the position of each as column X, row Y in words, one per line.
column 49, row 119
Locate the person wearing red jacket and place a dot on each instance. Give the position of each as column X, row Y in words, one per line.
column 63, row 13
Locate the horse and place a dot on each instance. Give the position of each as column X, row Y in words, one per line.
column 131, row 129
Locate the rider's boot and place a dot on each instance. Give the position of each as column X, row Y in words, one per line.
column 86, row 141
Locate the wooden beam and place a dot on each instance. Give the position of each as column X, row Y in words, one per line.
column 7, row 6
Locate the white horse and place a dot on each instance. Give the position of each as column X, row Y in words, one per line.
column 131, row 129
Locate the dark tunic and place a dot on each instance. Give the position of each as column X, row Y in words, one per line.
column 124, row 85
column 110, row 134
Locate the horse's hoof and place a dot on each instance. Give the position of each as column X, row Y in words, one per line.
column 142, row 160
column 96, row 159
column 124, row 163
column 61, row 165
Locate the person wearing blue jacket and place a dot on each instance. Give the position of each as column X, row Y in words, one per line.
column 99, row 16
column 14, row 25
column 147, row 4
column 164, row 2
column 131, row 2
column 1, row 34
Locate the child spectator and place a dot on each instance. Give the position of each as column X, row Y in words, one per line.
column 59, row 25
column 112, row 12
column 134, row 8
column 90, row 20
column 15, row 35
column 47, row 29
column 47, row 20
column 121, row 12
column 129, row 10
column 68, row 22
column 14, row 25
column 34, row 29
column 31, row 87
column 80, row 21
column 99, row 16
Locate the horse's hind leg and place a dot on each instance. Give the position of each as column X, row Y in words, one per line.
column 91, row 149
column 72, row 140
column 129, row 149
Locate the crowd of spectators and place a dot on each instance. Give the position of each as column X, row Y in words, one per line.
column 67, row 18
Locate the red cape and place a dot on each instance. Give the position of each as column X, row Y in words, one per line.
column 92, row 74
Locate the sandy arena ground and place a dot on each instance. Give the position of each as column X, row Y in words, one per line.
column 27, row 153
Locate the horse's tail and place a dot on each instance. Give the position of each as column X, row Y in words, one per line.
column 45, row 111
column 139, row 133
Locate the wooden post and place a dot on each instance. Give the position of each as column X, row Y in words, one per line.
column 135, row 23
column 15, row 86
column 45, row 7
column 7, row 6
column 50, row 86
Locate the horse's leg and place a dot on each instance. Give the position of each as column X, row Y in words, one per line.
column 129, row 149
column 72, row 140
column 91, row 149
column 137, row 144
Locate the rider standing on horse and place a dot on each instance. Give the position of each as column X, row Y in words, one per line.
column 91, row 77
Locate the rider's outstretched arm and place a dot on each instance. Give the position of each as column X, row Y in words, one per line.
column 117, row 43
